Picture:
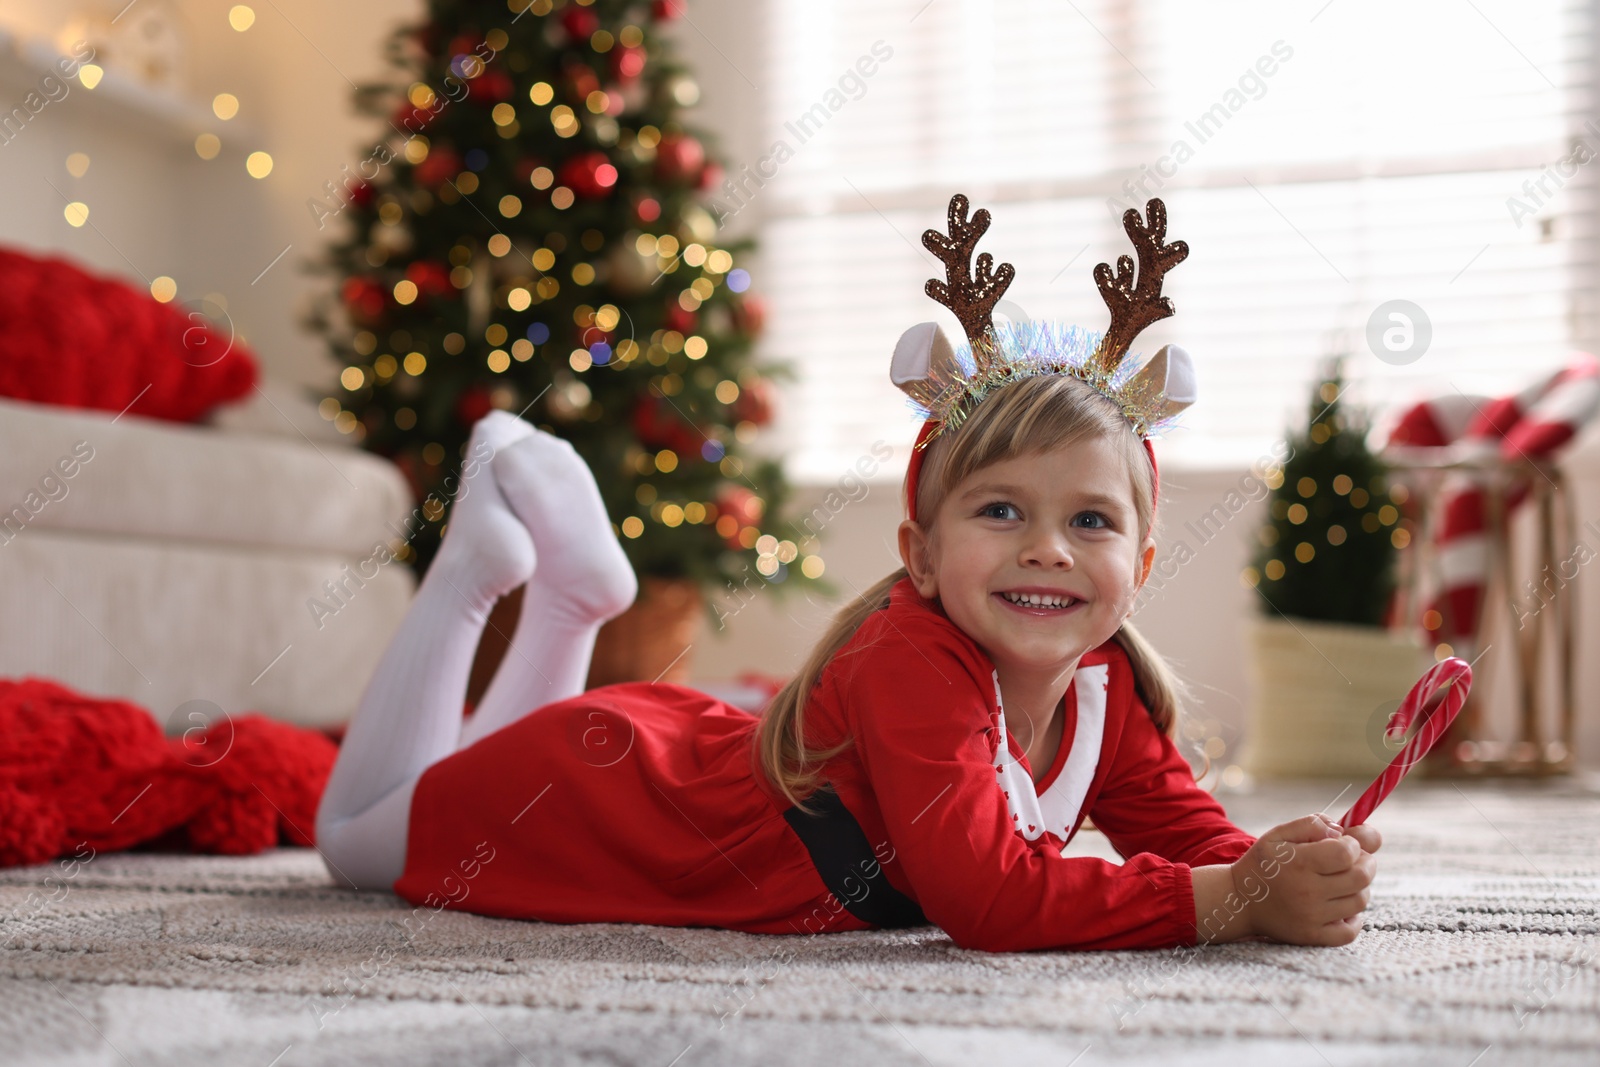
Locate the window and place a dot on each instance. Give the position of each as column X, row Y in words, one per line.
column 1320, row 162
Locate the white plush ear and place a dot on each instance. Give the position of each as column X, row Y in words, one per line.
column 1171, row 372
column 920, row 351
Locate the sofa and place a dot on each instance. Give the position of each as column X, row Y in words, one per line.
column 233, row 566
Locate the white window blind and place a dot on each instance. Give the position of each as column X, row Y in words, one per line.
column 1320, row 160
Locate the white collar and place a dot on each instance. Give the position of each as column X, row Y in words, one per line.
column 1056, row 812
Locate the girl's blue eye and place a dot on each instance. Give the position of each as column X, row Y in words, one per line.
column 1101, row 523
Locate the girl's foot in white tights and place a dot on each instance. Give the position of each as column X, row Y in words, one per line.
column 582, row 568
column 583, row 578
column 489, row 556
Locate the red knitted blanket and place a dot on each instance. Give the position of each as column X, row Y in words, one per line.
column 83, row 775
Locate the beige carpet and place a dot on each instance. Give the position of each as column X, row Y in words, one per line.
column 1482, row 946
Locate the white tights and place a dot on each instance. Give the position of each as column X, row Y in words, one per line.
column 527, row 510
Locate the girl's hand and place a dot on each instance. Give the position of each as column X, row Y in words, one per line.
column 1307, row 881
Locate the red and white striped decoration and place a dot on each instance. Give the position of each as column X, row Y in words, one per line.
column 1533, row 424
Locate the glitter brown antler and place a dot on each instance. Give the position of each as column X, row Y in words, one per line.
column 1135, row 306
column 971, row 296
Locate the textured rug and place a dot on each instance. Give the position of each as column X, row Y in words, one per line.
column 1482, row 946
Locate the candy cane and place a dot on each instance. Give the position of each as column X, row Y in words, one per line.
column 1437, row 698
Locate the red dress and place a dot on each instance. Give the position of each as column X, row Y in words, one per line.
column 642, row 803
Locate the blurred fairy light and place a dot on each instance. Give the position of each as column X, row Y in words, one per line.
column 163, row 289
column 77, row 213
column 225, row 106
column 241, row 17
column 207, row 145
column 78, row 164
column 259, row 164
column 89, row 75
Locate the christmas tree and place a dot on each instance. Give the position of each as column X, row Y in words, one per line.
column 1328, row 548
column 528, row 235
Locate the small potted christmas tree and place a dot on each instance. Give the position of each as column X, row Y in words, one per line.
column 1327, row 671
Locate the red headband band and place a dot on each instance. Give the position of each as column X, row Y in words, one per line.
column 914, row 469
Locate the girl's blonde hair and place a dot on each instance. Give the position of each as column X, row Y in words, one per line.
column 1032, row 415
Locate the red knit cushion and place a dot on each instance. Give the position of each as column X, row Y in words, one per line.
column 80, row 340
column 81, row 775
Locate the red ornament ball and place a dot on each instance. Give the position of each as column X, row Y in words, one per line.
column 743, row 505
column 579, row 22
column 664, row 10
column 679, row 159
column 492, row 87
column 364, row 298
column 627, row 63
column 591, row 175
column 472, row 405
column 755, row 402
column 431, row 277
column 679, row 319
column 658, row 425
column 750, row 316
column 441, row 165
column 594, row 335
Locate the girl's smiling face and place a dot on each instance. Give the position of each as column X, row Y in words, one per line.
column 1036, row 558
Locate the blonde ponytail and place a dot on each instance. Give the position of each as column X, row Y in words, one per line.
column 780, row 748
column 1161, row 690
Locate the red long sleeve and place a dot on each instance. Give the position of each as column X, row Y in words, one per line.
column 1151, row 802
column 919, row 697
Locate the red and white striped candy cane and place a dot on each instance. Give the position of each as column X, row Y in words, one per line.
column 1437, row 698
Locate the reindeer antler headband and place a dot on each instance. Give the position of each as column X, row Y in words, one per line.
column 946, row 383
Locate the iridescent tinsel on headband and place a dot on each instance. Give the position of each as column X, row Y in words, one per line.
column 1018, row 350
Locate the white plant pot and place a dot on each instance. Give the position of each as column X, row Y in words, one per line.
column 1323, row 693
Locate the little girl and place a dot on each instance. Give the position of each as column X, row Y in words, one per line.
column 934, row 755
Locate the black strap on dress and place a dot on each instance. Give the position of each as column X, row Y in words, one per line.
column 845, row 861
